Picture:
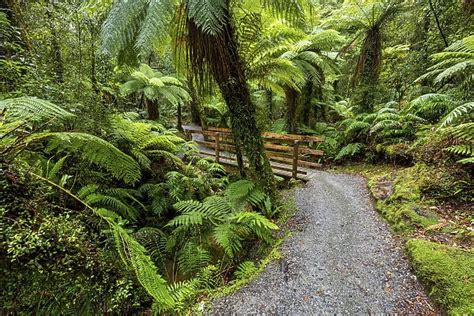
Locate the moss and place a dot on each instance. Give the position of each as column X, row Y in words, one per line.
column 403, row 217
column 448, row 272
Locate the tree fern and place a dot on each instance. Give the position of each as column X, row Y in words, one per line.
column 456, row 61
column 227, row 216
column 431, row 106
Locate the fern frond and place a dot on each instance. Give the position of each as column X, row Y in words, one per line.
column 245, row 270
column 349, row 150
column 209, row 15
column 32, row 109
column 457, row 113
column 193, row 258
column 257, row 223
column 96, row 150
column 463, row 150
column 227, row 236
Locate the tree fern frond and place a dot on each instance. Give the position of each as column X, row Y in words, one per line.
column 32, row 109
column 154, row 27
column 464, row 110
column 463, row 150
column 227, row 236
column 96, row 150
column 209, row 15
column 257, row 223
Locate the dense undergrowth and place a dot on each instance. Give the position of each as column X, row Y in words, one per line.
column 106, row 208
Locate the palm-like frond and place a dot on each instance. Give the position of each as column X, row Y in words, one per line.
column 349, row 150
column 154, row 85
column 230, row 223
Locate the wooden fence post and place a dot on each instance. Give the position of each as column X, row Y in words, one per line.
column 218, row 136
column 295, row 158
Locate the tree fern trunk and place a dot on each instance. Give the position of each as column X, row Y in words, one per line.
column 367, row 71
column 152, row 110
column 219, row 52
column 291, row 99
column 306, row 100
column 194, row 104
column 269, row 100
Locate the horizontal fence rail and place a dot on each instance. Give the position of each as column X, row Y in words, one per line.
column 290, row 155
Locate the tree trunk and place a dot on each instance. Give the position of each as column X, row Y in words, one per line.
column 367, row 71
column 55, row 48
column 269, row 100
column 194, row 104
column 306, row 100
column 179, row 124
column 438, row 24
column 291, row 100
column 220, row 54
column 13, row 10
column 152, row 110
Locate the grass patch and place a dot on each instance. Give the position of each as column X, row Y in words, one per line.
column 448, row 272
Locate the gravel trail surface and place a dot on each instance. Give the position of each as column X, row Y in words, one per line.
column 343, row 260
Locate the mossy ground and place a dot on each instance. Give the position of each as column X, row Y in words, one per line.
column 448, row 271
column 413, row 201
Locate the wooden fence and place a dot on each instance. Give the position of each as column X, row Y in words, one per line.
column 290, row 155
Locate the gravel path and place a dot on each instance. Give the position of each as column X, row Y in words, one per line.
column 344, row 260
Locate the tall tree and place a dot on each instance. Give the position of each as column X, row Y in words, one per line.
column 369, row 17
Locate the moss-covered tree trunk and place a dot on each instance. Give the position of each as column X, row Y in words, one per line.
column 194, row 106
column 219, row 52
column 269, row 100
column 55, row 47
column 306, row 103
column 291, row 100
column 368, row 70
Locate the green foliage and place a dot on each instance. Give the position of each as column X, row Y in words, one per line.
column 96, row 150
column 227, row 216
column 245, row 269
column 349, row 150
column 447, row 271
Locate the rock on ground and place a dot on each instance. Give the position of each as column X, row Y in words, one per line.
column 345, row 260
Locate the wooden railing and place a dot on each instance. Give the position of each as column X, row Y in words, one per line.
column 290, row 155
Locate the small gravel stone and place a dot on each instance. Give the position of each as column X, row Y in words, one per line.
column 344, row 260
